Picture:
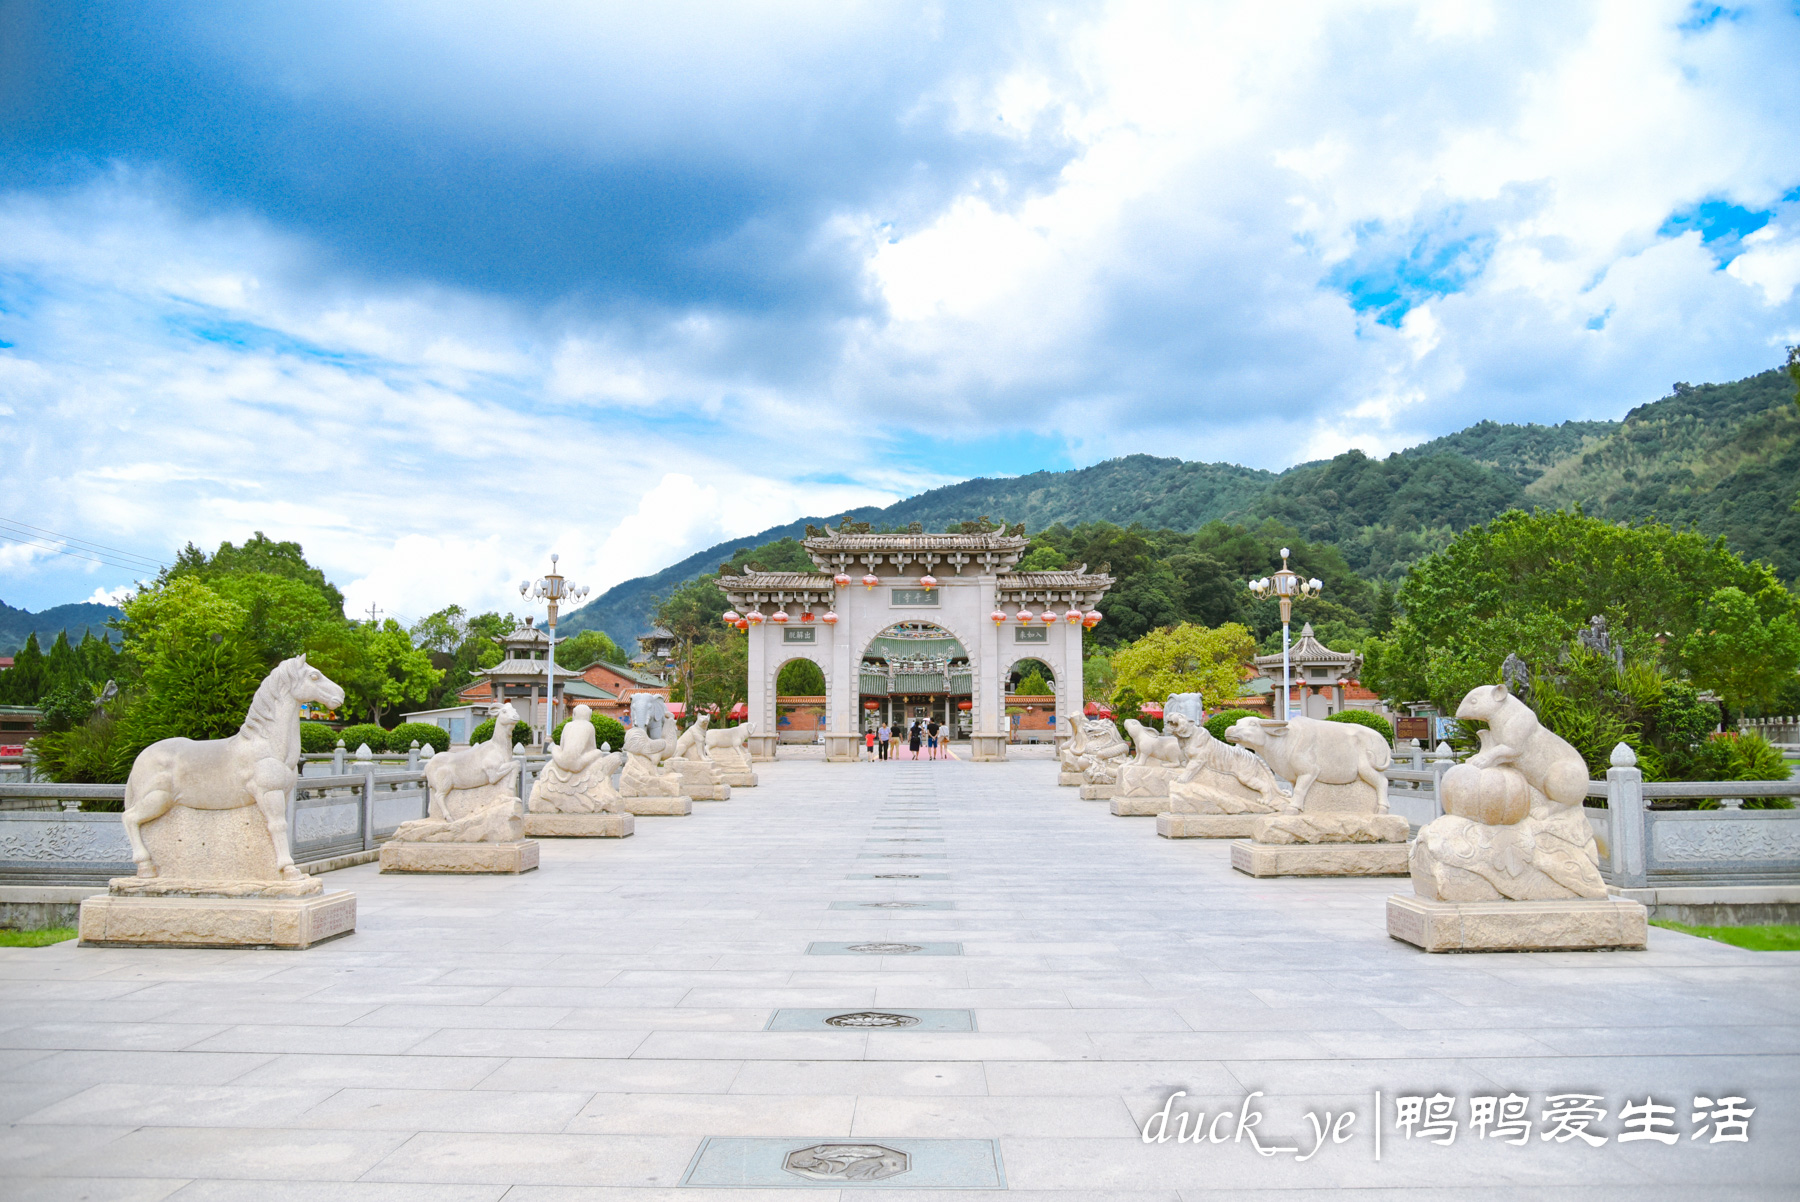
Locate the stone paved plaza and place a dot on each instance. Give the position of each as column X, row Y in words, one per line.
column 641, row 1019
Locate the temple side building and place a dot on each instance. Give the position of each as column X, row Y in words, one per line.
column 914, row 625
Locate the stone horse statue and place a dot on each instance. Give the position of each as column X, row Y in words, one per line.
column 256, row 766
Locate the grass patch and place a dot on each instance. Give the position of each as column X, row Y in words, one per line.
column 1770, row 937
column 43, row 937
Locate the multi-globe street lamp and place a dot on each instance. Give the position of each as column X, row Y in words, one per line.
column 553, row 590
column 1286, row 585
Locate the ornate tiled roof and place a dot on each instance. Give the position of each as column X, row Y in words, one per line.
column 1309, row 650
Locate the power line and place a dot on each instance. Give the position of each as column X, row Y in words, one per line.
column 31, row 531
column 74, row 554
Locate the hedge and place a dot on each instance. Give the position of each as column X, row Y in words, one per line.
column 1215, row 725
column 364, row 732
column 316, row 738
column 1374, row 722
column 484, row 732
column 607, row 730
column 427, row 734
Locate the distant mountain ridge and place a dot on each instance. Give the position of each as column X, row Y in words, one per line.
column 17, row 625
column 1722, row 457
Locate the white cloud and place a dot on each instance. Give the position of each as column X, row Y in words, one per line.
column 110, row 596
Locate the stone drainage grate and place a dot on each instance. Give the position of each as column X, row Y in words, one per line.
column 834, row 1162
column 898, row 876
column 872, row 947
column 813, row 1018
column 901, row 855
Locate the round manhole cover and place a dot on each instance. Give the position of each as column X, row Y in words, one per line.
column 885, row 949
column 871, row 1018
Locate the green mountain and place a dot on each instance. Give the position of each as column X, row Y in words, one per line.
column 17, row 625
column 1724, row 458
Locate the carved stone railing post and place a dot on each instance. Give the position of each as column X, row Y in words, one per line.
column 412, row 757
column 368, row 807
column 337, row 759
column 1625, row 813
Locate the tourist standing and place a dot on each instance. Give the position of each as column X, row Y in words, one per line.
column 931, row 738
column 869, row 741
column 914, row 738
column 882, row 741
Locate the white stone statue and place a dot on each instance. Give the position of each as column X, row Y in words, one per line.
column 1160, row 757
column 474, row 793
column 174, row 782
column 207, row 824
column 578, row 778
column 1223, row 779
column 1513, row 825
column 1103, row 752
column 1339, row 798
column 730, row 750
column 644, row 775
column 701, row 778
column 1090, row 739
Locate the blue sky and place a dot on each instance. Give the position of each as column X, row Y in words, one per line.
column 438, row 288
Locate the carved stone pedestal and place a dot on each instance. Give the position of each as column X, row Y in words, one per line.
column 1574, row 924
column 701, row 780
column 840, row 748
column 1139, row 807
column 1098, row 792
column 578, row 826
column 1206, row 826
column 1320, row 859
column 739, row 780
column 1071, row 779
column 112, row 920
column 460, row 858
column 663, row 807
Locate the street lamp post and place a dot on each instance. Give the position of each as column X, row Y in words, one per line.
column 1286, row 585
column 553, row 590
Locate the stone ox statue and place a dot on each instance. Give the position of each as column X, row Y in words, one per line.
column 256, row 766
column 1308, row 751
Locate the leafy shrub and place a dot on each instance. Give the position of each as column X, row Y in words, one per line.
column 1033, row 684
column 1374, row 722
column 484, row 732
column 364, row 732
column 316, row 738
column 607, row 730
column 64, row 708
column 1743, row 757
column 428, row 734
column 1217, row 724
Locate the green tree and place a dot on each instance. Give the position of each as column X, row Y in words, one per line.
column 280, row 612
column 1032, row 684
column 1735, row 652
column 22, row 683
column 259, row 554
column 800, row 678
column 1097, row 678
column 196, row 670
column 692, row 613
column 585, row 648
column 1186, row 659
column 721, row 672
column 389, row 671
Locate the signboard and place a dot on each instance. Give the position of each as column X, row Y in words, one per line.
column 1413, row 728
column 913, row 597
column 1031, row 634
column 799, row 634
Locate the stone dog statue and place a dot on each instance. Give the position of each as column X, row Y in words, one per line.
column 1513, row 825
column 474, row 793
column 578, row 778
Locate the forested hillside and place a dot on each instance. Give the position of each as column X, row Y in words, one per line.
column 79, row 619
column 1723, row 458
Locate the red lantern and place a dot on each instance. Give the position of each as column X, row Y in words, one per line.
column 1048, row 617
column 841, row 580
column 830, row 618
column 871, row 705
column 965, row 706
column 743, row 624
column 998, row 617
column 730, row 617
column 871, row 580
column 806, row 615
column 1091, row 619
column 779, row 617
column 1024, row 615
column 754, row 617
column 1073, row 617
column 928, row 581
